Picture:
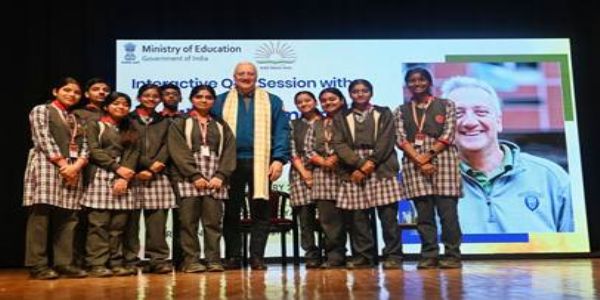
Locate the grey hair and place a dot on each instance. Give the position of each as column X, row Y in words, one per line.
column 245, row 62
column 457, row 82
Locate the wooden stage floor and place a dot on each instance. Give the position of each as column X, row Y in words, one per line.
column 479, row 279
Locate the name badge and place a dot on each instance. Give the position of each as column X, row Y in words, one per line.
column 73, row 150
column 205, row 150
column 419, row 139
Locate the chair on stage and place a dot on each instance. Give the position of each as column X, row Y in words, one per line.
column 279, row 223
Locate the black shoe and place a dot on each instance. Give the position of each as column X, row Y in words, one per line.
column 215, row 267
column 136, row 262
column 258, row 264
column 232, row 263
column 70, row 271
column 359, row 263
column 43, row 273
column 427, row 263
column 162, row 268
column 123, row 271
column 133, row 270
column 146, row 268
column 392, row 264
column 79, row 262
column 193, row 268
column 450, row 263
column 333, row 265
column 100, row 271
column 312, row 264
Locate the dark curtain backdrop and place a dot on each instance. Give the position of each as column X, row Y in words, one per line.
column 77, row 39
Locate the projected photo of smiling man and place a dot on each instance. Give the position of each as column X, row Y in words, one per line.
column 505, row 190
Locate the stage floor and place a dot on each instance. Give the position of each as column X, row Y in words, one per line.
column 479, row 279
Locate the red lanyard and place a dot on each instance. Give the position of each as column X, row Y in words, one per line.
column 420, row 123
column 203, row 129
column 71, row 122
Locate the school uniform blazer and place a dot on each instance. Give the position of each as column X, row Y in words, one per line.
column 318, row 147
column 182, row 155
column 171, row 170
column 61, row 133
column 87, row 114
column 106, row 150
column 152, row 139
column 299, row 128
column 384, row 155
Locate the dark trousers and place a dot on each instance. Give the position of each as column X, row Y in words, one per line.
column 361, row 233
column 81, row 231
column 210, row 211
column 156, row 248
column 388, row 217
column 177, row 253
column 259, row 212
column 43, row 219
column 105, row 237
column 426, row 225
column 307, row 215
column 334, row 229
column 131, row 241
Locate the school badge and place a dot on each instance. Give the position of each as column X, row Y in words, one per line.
column 440, row 119
column 532, row 201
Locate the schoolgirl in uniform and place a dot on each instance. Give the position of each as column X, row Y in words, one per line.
column 325, row 178
column 109, row 196
column 202, row 148
column 370, row 168
column 425, row 131
column 301, row 179
column 53, row 182
column 154, row 193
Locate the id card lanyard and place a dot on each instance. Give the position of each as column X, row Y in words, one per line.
column 204, row 148
column 327, row 134
column 71, row 122
column 420, row 136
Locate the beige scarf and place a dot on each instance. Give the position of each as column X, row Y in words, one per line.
column 262, row 136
